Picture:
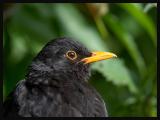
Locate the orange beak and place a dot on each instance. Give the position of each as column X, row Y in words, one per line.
column 98, row 56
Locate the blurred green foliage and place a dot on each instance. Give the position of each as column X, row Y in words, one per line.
column 127, row 84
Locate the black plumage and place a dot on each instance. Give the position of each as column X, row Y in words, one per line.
column 56, row 86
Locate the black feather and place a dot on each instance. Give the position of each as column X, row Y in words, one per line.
column 56, row 86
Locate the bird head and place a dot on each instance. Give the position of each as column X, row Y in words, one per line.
column 64, row 58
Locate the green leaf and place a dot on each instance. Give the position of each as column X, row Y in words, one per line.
column 116, row 72
column 127, row 40
column 73, row 25
column 35, row 28
column 142, row 19
column 77, row 27
column 149, row 6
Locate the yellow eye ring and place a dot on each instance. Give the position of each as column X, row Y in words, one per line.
column 71, row 55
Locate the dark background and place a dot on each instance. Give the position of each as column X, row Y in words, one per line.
column 127, row 84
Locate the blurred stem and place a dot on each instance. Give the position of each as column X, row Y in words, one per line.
column 7, row 49
column 98, row 21
column 4, row 92
column 101, row 27
column 147, row 104
column 149, row 75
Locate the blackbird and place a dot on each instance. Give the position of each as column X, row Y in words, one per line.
column 56, row 84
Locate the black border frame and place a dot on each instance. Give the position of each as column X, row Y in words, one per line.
column 89, row 1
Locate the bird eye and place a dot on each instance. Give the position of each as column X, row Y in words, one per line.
column 71, row 55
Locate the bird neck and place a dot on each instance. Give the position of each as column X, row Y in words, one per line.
column 40, row 73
